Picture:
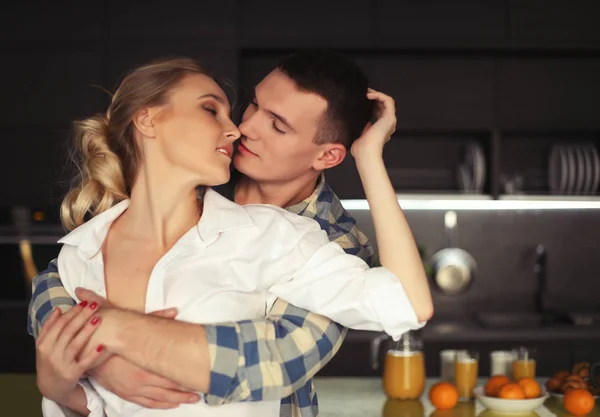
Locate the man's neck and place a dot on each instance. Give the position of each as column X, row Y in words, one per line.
column 281, row 194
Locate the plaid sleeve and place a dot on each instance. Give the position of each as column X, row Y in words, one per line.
column 47, row 294
column 270, row 358
column 355, row 242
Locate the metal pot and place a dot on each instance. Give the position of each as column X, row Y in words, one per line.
column 453, row 268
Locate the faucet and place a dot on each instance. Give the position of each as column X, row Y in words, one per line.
column 539, row 268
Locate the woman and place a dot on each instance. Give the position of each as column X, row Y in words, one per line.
column 153, row 232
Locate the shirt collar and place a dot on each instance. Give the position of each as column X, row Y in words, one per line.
column 219, row 215
column 89, row 236
column 311, row 203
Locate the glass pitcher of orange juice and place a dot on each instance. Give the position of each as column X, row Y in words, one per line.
column 404, row 368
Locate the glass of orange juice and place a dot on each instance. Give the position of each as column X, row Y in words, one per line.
column 523, row 363
column 466, row 370
column 404, row 374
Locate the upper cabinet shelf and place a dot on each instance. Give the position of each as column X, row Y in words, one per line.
column 516, row 163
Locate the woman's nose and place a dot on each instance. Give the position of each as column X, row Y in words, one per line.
column 232, row 132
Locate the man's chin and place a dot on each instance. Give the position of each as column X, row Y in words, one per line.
column 238, row 164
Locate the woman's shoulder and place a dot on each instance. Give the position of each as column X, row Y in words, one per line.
column 274, row 216
column 89, row 230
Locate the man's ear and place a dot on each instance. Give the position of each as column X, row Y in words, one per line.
column 332, row 154
column 143, row 122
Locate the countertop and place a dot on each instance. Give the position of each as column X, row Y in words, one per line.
column 364, row 397
column 347, row 397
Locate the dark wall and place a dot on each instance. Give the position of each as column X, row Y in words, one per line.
column 515, row 76
column 503, row 244
column 499, row 72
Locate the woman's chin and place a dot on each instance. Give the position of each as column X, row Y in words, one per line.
column 220, row 179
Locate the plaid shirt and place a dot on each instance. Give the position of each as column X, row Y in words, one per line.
column 262, row 359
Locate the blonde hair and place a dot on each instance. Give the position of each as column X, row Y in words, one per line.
column 105, row 147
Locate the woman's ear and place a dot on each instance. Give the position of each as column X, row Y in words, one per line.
column 143, row 122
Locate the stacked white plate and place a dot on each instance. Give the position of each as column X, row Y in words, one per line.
column 471, row 170
column 574, row 170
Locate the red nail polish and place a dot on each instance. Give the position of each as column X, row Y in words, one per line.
column 83, row 303
column 94, row 305
column 100, row 348
column 95, row 320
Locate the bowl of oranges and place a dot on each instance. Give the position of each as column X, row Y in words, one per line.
column 503, row 395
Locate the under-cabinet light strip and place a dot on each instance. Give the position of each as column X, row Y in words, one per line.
column 434, row 203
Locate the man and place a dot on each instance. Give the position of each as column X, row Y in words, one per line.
column 304, row 117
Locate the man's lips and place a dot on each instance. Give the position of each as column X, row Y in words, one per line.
column 243, row 149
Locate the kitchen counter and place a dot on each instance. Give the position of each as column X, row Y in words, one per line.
column 347, row 397
column 364, row 397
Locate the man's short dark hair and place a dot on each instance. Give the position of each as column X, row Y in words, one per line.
column 341, row 82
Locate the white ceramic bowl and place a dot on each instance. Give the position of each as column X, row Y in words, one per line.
column 502, row 405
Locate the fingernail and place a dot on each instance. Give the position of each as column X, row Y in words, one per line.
column 83, row 303
column 95, row 320
column 193, row 398
column 100, row 348
column 94, row 305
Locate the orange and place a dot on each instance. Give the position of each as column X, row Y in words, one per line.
column 443, row 395
column 531, row 387
column 578, row 401
column 494, row 383
column 511, row 391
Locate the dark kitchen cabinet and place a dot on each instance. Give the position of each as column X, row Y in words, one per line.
column 445, row 92
column 514, row 76
column 210, row 23
column 588, row 353
column 548, row 93
column 555, row 23
column 51, row 88
column 270, row 24
column 435, row 23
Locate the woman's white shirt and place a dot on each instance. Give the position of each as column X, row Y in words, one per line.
column 232, row 266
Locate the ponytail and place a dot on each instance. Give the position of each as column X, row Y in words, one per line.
column 100, row 183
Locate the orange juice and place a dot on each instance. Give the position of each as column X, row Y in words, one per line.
column 465, row 374
column 404, row 374
column 523, row 368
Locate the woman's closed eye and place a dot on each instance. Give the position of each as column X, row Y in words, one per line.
column 211, row 110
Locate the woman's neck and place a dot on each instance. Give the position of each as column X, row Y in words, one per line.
column 162, row 208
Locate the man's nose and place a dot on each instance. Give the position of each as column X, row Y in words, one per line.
column 247, row 129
